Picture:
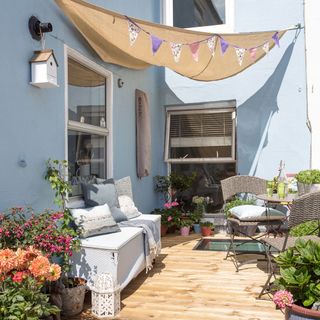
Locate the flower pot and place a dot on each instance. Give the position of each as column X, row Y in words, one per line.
column 206, row 231
column 184, row 231
column 196, row 228
column 164, row 230
column 72, row 300
column 296, row 312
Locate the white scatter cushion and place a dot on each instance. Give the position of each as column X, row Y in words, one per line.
column 127, row 207
column 123, row 187
column 94, row 221
column 250, row 212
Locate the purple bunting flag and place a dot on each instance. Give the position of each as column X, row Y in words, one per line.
column 194, row 47
column 176, row 50
column 156, row 43
column 224, row 46
column 133, row 32
column 275, row 38
column 211, row 42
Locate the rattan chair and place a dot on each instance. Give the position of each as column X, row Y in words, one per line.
column 304, row 208
column 250, row 185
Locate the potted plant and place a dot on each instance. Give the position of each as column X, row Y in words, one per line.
column 206, row 228
column 197, row 213
column 75, row 288
column 299, row 283
column 185, row 225
column 308, row 181
column 23, row 274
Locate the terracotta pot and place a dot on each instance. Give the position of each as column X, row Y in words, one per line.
column 185, row 231
column 164, row 230
column 300, row 313
column 206, row 231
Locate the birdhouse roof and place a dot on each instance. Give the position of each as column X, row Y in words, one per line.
column 43, row 55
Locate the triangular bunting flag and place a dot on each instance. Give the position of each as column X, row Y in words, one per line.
column 194, row 47
column 211, row 42
column 252, row 53
column 133, row 32
column 275, row 38
column 266, row 47
column 156, row 43
column 224, row 46
column 240, row 54
column 176, row 50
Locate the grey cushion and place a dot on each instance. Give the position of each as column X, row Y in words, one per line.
column 250, row 212
column 98, row 194
column 123, row 187
column 118, row 215
column 94, row 221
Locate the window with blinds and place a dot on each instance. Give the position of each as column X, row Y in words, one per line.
column 206, row 135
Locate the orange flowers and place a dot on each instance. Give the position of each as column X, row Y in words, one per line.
column 22, row 263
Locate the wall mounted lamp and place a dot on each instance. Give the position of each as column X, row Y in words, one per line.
column 37, row 28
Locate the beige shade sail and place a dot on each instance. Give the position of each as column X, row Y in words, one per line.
column 107, row 33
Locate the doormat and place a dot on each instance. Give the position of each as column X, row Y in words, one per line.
column 245, row 246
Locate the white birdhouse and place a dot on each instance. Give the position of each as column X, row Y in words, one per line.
column 44, row 69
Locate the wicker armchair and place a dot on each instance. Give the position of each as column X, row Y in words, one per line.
column 304, row 208
column 244, row 184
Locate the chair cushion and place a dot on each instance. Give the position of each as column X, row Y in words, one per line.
column 99, row 194
column 123, row 187
column 118, row 215
column 94, row 221
column 127, row 207
column 252, row 212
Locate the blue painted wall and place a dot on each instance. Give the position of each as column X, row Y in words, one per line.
column 274, row 88
column 32, row 122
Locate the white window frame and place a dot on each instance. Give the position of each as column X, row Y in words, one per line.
column 88, row 128
column 210, row 107
column 167, row 18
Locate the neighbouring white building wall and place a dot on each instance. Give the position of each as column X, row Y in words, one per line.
column 312, row 22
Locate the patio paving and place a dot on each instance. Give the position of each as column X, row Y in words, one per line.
column 191, row 284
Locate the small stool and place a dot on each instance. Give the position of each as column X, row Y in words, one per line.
column 105, row 296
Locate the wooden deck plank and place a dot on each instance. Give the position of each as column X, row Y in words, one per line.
column 191, row 284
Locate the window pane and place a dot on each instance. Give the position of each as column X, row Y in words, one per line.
column 207, row 183
column 201, row 135
column 198, row 13
column 86, row 95
column 86, row 154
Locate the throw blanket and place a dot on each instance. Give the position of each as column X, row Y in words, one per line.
column 152, row 244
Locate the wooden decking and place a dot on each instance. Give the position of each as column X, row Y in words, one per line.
column 191, row 284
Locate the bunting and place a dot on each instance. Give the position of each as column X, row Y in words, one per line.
column 155, row 44
column 133, row 32
column 211, row 42
column 176, row 50
column 265, row 47
column 194, row 47
column 240, row 54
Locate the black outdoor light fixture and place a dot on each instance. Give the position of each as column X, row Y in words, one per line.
column 37, row 28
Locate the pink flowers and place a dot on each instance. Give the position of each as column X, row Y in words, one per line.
column 169, row 219
column 169, row 205
column 283, row 298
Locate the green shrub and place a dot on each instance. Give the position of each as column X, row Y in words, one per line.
column 305, row 229
column 309, row 176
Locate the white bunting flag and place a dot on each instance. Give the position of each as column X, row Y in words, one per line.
column 266, row 47
column 211, row 42
column 240, row 54
column 133, row 32
column 176, row 50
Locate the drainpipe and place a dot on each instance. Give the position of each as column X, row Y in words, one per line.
column 312, row 51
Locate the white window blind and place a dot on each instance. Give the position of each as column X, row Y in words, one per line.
column 200, row 134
